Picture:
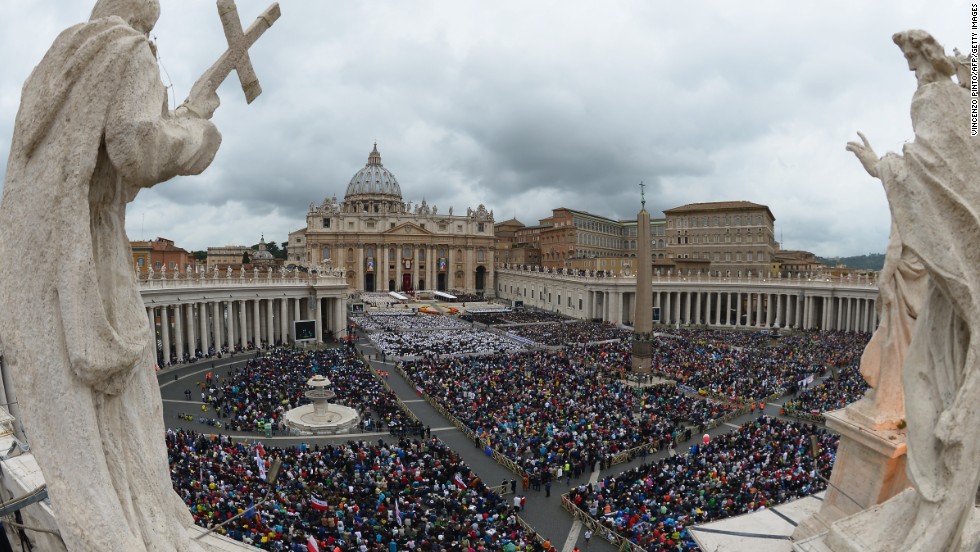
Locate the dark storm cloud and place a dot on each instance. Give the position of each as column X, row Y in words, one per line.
column 526, row 107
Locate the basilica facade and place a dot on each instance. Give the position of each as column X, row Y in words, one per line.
column 382, row 243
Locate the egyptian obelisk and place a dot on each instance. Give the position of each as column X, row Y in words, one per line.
column 643, row 317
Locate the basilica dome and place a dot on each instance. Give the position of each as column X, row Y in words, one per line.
column 374, row 180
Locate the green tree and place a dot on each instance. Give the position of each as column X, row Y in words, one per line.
column 201, row 256
column 246, row 259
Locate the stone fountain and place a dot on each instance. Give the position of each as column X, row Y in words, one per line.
column 321, row 417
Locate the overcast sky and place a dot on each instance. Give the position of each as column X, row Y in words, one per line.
column 528, row 106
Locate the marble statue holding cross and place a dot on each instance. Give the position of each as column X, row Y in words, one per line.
column 92, row 130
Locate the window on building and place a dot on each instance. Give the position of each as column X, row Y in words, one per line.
column 326, row 222
column 350, row 225
column 459, row 227
column 443, row 227
column 481, row 227
column 326, row 253
column 140, row 262
column 391, row 225
column 481, row 255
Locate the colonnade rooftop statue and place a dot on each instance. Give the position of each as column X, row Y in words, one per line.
column 933, row 190
column 93, row 129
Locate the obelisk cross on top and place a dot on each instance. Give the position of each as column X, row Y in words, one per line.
column 643, row 199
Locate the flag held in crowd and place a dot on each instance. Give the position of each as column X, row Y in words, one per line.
column 260, row 461
column 319, row 505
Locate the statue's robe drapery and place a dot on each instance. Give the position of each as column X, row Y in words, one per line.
column 934, row 194
column 91, row 131
column 902, row 285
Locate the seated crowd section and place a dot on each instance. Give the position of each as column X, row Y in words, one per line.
column 764, row 463
column 351, row 496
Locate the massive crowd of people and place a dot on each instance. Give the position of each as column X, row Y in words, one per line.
column 413, row 495
column 753, row 372
column 762, row 464
column 552, row 413
column 834, row 393
column 257, row 395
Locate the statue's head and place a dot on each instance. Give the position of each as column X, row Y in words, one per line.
column 925, row 56
column 141, row 15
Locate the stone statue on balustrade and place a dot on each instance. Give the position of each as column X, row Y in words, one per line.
column 92, row 130
column 933, row 191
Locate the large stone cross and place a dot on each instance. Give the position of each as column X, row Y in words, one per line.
column 203, row 99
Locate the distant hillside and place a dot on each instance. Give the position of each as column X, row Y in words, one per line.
column 871, row 261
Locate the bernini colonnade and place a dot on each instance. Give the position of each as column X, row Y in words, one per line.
column 822, row 302
column 195, row 311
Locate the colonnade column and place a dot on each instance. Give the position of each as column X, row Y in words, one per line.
column 738, row 309
column 707, row 308
column 165, row 334
column 230, row 321
column 242, row 324
column 340, row 318
column 202, row 317
column 256, row 323
column 296, row 312
column 758, row 313
column 217, row 317
column 151, row 315
column 191, row 340
column 270, row 327
column 284, row 320
column 316, row 316
column 697, row 308
column 179, row 332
